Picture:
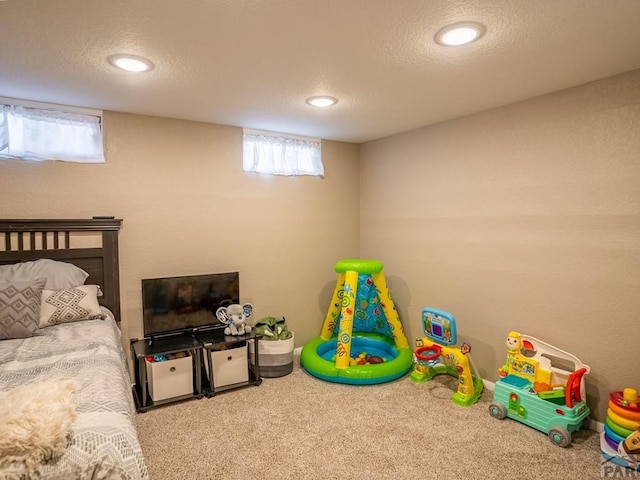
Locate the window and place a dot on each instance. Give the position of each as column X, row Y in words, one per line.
column 46, row 133
column 279, row 154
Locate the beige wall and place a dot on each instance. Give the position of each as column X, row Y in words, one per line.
column 188, row 208
column 523, row 218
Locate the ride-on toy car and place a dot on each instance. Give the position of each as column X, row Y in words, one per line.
column 543, row 387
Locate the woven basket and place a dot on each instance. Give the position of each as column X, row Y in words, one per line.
column 275, row 357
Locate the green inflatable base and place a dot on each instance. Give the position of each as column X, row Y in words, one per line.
column 398, row 360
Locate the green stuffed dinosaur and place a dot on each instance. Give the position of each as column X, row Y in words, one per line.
column 272, row 328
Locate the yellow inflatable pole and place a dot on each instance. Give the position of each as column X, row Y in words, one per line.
column 390, row 310
column 346, row 322
column 334, row 309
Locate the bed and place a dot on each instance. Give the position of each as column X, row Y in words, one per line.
column 68, row 375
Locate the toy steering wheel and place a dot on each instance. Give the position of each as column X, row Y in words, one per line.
column 431, row 352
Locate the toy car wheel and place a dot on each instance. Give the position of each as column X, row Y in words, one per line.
column 497, row 410
column 560, row 436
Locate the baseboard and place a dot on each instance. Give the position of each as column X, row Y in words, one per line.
column 489, row 385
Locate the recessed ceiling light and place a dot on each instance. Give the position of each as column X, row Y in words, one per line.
column 130, row 63
column 460, row 34
column 322, row 101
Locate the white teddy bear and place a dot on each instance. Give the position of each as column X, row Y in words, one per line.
column 234, row 316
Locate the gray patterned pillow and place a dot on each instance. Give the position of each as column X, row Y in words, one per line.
column 20, row 308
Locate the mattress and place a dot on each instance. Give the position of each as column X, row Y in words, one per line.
column 103, row 442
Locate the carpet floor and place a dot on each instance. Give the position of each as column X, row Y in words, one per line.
column 299, row 427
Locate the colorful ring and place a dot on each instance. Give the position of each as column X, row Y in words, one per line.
column 609, row 433
column 611, row 442
column 624, row 412
column 623, row 422
column 618, row 399
column 624, row 432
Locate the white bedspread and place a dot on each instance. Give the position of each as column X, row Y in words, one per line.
column 103, row 442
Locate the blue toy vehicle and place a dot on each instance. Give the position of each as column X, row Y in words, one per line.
column 541, row 386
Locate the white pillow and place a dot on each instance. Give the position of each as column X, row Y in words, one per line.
column 58, row 274
column 70, row 305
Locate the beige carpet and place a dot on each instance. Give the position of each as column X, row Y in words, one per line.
column 299, row 427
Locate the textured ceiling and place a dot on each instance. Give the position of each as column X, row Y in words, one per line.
column 252, row 63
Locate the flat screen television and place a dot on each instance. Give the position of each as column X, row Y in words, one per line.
column 180, row 304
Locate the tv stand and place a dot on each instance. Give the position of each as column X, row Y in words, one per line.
column 219, row 362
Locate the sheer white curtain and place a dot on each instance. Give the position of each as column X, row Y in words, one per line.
column 39, row 134
column 279, row 154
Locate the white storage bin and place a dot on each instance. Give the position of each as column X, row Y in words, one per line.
column 229, row 366
column 171, row 378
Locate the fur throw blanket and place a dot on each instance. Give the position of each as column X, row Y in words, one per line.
column 34, row 424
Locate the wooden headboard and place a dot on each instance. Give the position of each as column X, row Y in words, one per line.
column 26, row 240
